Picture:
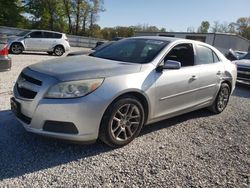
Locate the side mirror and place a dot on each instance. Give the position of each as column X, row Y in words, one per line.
column 169, row 64
column 28, row 36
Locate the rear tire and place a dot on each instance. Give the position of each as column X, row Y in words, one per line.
column 16, row 48
column 122, row 121
column 221, row 100
column 59, row 50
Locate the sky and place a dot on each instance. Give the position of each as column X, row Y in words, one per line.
column 174, row 15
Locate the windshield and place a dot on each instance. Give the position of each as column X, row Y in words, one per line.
column 22, row 34
column 133, row 50
column 247, row 56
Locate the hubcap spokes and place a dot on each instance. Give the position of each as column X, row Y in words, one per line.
column 59, row 51
column 16, row 48
column 223, row 99
column 125, row 122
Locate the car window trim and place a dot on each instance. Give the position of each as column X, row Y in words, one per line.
column 171, row 47
column 196, row 46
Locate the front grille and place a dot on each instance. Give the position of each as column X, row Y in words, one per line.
column 244, row 69
column 243, row 76
column 27, row 86
column 26, row 93
column 31, row 80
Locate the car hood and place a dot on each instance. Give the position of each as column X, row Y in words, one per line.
column 84, row 67
column 14, row 38
column 243, row 62
column 82, row 52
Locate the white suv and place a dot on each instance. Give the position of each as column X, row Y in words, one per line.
column 39, row 40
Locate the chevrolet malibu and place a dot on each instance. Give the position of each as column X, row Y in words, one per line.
column 113, row 92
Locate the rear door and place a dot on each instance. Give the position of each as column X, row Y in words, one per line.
column 49, row 40
column 211, row 70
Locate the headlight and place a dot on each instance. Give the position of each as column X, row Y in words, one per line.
column 73, row 89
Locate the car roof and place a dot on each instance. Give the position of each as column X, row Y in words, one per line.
column 173, row 39
column 46, row 31
column 169, row 39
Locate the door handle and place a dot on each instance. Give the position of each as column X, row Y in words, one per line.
column 194, row 77
column 218, row 73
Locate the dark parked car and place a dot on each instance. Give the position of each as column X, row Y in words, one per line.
column 243, row 69
column 5, row 60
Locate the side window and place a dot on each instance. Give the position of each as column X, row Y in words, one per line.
column 57, row 35
column 205, row 55
column 36, row 34
column 48, row 35
column 183, row 53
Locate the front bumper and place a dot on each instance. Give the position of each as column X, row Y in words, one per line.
column 84, row 113
column 243, row 74
column 5, row 63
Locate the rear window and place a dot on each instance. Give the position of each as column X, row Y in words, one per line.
column 57, row 35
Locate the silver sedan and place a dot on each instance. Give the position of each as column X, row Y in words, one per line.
column 113, row 92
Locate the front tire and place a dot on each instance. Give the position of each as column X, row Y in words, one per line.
column 16, row 48
column 122, row 122
column 221, row 100
column 58, row 50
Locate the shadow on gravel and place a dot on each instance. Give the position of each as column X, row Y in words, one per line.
column 22, row 152
column 242, row 90
column 33, row 53
column 175, row 120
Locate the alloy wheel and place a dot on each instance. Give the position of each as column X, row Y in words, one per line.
column 223, row 99
column 59, row 51
column 125, row 122
column 16, row 48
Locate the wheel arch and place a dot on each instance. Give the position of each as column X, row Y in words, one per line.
column 143, row 99
column 59, row 45
column 17, row 42
column 227, row 81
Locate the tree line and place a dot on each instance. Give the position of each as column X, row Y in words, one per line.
column 80, row 17
column 240, row 27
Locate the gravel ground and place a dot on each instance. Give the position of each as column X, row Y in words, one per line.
column 197, row 149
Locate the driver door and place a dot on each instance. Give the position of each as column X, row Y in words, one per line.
column 34, row 41
column 176, row 89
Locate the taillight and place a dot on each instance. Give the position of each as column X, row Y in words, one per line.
column 67, row 39
column 4, row 51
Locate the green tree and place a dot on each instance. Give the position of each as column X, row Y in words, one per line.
column 46, row 14
column 243, row 25
column 11, row 13
column 204, row 27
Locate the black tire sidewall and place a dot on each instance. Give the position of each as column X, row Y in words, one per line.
column 223, row 85
column 60, row 48
column 15, row 43
column 105, row 130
